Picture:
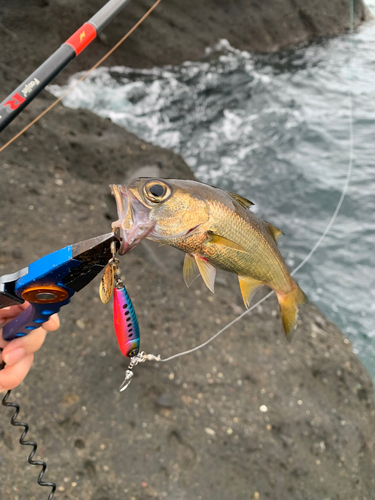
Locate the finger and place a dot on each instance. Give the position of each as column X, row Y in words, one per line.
column 52, row 324
column 7, row 314
column 34, row 337
column 11, row 312
column 15, row 350
column 12, row 376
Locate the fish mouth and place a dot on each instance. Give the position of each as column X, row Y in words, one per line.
column 133, row 224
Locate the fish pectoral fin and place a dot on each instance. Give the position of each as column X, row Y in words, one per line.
column 190, row 270
column 248, row 287
column 208, row 272
column 275, row 231
column 215, row 239
column 289, row 303
column 244, row 202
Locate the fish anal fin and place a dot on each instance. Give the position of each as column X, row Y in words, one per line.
column 190, row 270
column 275, row 231
column 208, row 272
column 244, row 202
column 248, row 287
column 289, row 303
column 220, row 240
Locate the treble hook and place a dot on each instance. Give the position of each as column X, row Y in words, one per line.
column 139, row 358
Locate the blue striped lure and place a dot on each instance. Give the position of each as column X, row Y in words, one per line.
column 125, row 321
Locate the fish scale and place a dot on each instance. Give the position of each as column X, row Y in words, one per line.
column 250, row 234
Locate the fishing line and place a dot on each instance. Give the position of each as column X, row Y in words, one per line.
column 83, row 77
column 322, row 237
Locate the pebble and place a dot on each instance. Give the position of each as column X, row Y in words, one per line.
column 80, row 323
column 165, row 401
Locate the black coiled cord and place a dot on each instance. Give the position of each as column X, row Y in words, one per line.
column 14, row 422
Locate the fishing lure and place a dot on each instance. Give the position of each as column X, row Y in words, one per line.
column 125, row 321
column 124, row 317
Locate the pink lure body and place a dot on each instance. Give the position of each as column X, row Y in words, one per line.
column 126, row 323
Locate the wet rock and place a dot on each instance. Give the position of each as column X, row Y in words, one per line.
column 148, row 171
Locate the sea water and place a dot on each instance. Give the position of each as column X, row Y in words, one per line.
column 275, row 129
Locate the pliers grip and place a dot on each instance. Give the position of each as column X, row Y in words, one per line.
column 50, row 282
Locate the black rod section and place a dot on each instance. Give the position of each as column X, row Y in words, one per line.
column 37, row 81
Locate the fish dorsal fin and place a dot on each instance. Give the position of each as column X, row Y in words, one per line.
column 220, row 240
column 275, row 231
column 191, row 270
column 244, row 202
column 248, row 286
column 208, row 272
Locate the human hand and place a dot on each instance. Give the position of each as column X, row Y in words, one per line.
column 18, row 354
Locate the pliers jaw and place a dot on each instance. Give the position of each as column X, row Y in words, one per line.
column 94, row 255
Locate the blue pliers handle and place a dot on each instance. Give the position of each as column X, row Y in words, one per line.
column 50, row 282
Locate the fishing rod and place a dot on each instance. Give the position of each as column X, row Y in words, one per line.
column 37, row 81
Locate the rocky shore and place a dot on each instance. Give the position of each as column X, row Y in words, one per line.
column 247, row 418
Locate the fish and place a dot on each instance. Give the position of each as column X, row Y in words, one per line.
column 216, row 229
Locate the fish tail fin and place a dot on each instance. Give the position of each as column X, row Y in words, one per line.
column 289, row 303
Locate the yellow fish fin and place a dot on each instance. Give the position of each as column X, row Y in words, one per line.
column 289, row 303
column 208, row 272
column 220, row 240
column 248, row 286
column 275, row 231
column 190, row 269
column 244, row 202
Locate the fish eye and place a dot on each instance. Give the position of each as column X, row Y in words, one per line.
column 156, row 191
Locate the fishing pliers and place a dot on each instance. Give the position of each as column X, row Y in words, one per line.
column 50, row 282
